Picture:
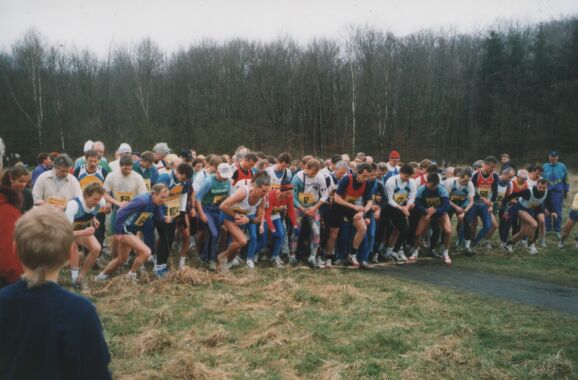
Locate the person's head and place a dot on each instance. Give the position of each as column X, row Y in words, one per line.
column 249, row 161
column 345, row 157
column 186, row 156
column 61, row 165
column 522, row 176
column 214, row 163
column 450, row 172
column 360, row 157
column 88, row 146
column 465, row 175
column 99, row 147
column 505, row 158
column 433, row 181
column 43, row 240
column 159, row 194
column 198, row 164
column 147, row 159
column 489, row 164
column 283, row 161
column 312, row 167
column 286, row 189
column 477, row 164
column 91, row 160
column 381, row 169
column 394, row 158
column 261, row 183
column 16, row 178
column 92, row 194
column 341, row 168
column 508, row 173
column 161, row 150
column 124, row 150
column 374, row 170
column 226, row 158
column 369, row 159
column 542, row 185
column 363, row 172
column 45, row 160
column 405, row 172
column 535, row 172
column 224, row 171
column 193, row 153
column 172, row 160
column 334, row 160
column 263, row 164
column 240, row 153
column 184, row 172
column 125, row 163
column 553, row 156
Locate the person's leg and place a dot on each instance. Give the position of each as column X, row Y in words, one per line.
column 213, row 229
column 164, row 245
column 360, row 231
column 74, row 262
column 238, row 241
column 252, row 244
column 100, row 232
column 483, row 212
column 123, row 251
column 421, row 229
column 568, row 227
column 504, row 228
column 278, row 237
column 93, row 247
column 315, row 222
column 294, row 240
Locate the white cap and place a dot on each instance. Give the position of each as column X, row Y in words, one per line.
column 225, row 170
column 124, row 148
column 88, row 146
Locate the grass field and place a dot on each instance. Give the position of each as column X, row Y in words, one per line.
column 300, row 323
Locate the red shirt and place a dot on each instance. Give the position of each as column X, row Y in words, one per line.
column 275, row 205
column 10, row 266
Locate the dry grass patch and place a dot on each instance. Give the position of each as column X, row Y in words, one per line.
column 152, row 340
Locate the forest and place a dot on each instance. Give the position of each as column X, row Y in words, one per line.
column 440, row 94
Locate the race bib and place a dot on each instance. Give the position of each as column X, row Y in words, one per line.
column 433, row 202
column 57, row 202
column 124, row 196
column 400, row 198
column 307, row 198
column 148, row 184
column 79, row 226
column 240, row 211
column 457, row 198
column 173, row 207
column 142, row 218
column 278, row 210
column 484, row 191
column 218, row 199
column 88, row 180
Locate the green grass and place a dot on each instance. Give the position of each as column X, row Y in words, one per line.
column 300, row 323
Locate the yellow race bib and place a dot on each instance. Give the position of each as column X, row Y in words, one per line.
column 433, row 202
column 307, row 198
column 400, row 198
column 142, row 218
column 124, row 196
column 173, row 206
column 57, row 202
column 484, row 191
column 87, row 180
column 79, row 226
column 218, row 199
column 457, row 198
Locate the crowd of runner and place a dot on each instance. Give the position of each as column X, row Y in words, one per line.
column 249, row 207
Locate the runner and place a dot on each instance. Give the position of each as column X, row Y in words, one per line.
column 81, row 212
column 504, row 188
column 145, row 166
column 557, row 175
column 160, row 151
column 486, row 185
column 244, row 207
column 351, row 201
column 461, row 195
column 98, row 146
column 180, row 188
column 309, row 194
column 123, row 150
column 214, row 190
column 57, row 186
column 121, row 188
column 392, row 165
column 332, row 179
column 432, row 203
column 131, row 219
column 279, row 201
column 243, row 170
column 280, row 171
column 530, row 209
column 401, row 191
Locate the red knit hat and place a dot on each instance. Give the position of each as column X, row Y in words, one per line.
column 394, row 155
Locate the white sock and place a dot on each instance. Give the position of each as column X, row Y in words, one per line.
column 389, row 251
column 131, row 274
column 468, row 242
column 182, row 261
column 446, row 253
column 74, row 274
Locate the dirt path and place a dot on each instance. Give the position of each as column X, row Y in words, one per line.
column 536, row 293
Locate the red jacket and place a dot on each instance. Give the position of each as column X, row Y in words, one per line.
column 10, row 267
column 276, row 205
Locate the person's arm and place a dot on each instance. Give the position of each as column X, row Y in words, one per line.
column 340, row 192
column 237, row 197
column 419, row 202
column 159, row 214
column 495, row 187
column 368, row 197
column 565, row 182
column 38, row 191
column 297, row 188
column 390, row 191
column 471, row 195
column 136, row 205
column 412, row 192
column 445, row 206
column 291, row 211
column 272, row 203
column 526, row 194
column 10, row 266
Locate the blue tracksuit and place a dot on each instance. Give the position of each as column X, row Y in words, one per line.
column 557, row 176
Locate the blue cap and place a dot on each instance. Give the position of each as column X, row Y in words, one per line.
column 553, row 153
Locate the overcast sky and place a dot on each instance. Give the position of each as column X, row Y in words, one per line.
column 96, row 24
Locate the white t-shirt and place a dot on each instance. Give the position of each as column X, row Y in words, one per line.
column 124, row 188
column 398, row 191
